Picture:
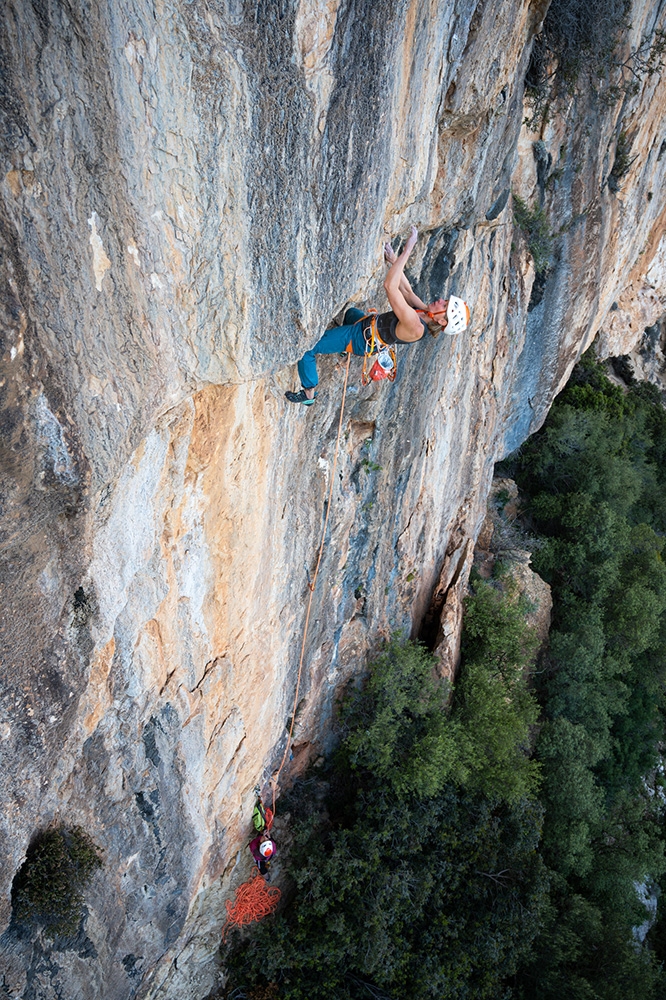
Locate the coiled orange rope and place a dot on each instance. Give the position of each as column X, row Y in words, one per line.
column 254, row 901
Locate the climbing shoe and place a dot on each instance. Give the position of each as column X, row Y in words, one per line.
column 300, row 397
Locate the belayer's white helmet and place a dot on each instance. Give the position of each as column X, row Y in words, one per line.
column 457, row 314
column 266, row 848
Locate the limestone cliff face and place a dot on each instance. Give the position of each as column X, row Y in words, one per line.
column 189, row 194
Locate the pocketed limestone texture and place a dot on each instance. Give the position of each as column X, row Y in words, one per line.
column 189, row 193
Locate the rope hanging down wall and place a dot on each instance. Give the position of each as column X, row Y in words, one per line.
column 312, row 585
column 254, row 899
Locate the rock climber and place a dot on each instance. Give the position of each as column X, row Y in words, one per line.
column 262, row 849
column 408, row 320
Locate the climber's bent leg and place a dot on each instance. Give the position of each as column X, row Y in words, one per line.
column 333, row 341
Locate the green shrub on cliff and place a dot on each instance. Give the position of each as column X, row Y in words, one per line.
column 583, row 34
column 48, row 888
column 580, row 39
column 538, row 233
column 583, row 44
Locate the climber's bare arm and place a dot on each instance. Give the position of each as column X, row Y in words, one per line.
column 411, row 298
column 409, row 326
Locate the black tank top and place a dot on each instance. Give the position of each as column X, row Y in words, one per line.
column 386, row 324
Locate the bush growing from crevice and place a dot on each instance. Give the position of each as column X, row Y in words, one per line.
column 538, row 84
column 48, row 887
column 580, row 40
column 537, row 231
column 577, row 37
column 583, row 34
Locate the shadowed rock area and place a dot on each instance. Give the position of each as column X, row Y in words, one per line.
column 189, row 194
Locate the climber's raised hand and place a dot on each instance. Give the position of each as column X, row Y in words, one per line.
column 411, row 239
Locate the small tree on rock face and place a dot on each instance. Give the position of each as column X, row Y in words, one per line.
column 534, row 224
column 48, row 887
column 583, row 34
column 586, row 42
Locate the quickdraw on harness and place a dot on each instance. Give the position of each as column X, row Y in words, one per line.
column 385, row 364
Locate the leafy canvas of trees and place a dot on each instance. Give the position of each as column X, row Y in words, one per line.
column 487, row 842
column 594, row 479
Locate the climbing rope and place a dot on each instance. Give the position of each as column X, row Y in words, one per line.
column 254, row 901
column 311, row 586
column 254, row 898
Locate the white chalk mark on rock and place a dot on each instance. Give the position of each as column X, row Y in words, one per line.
column 134, row 254
column 101, row 262
column 52, row 436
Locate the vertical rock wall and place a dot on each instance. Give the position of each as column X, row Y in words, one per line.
column 189, row 194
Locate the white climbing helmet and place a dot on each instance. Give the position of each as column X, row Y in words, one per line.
column 266, row 848
column 457, row 314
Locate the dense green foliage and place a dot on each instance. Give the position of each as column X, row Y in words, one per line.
column 425, row 881
column 594, row 479
column 401, row 731
column 48, row 888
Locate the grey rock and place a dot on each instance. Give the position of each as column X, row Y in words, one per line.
column 498, row 205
